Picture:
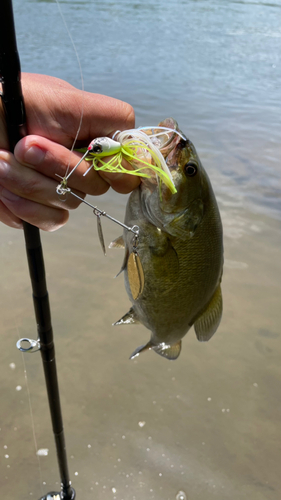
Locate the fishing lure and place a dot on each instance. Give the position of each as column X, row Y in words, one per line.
column 136, row 148
column 141, row 149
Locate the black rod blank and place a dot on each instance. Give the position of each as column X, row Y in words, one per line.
column 13, row 105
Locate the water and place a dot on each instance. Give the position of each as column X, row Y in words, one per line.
column 207, row 425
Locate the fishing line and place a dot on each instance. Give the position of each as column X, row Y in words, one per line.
column 82, row 84
column 32, row 422
column 30, row 411
column 147, row 145
column 16, row 327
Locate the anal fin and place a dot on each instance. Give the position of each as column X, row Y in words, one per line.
column 167, row 351
column 207, row 323
column 170, row 352
column 129, row 318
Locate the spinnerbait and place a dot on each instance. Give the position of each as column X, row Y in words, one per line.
column 141, row 149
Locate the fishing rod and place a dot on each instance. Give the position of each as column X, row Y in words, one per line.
column 13, row 105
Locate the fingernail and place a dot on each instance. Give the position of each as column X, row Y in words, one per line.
column 34, row 155
column 7, row 195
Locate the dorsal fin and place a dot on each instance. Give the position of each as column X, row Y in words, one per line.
column 207, row 323
column 129, row 318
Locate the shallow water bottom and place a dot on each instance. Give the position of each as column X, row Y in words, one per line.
column 207, row 425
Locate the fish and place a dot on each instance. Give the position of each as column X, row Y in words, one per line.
column 173, row 268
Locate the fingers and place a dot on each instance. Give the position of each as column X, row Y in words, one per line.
column 54, row 109
column 31, row 185
column 8, row 218
column 13, row 210
column 29, row 192
column 53, row 160
column 28, row 186
column 122, row 183
column 27, row 195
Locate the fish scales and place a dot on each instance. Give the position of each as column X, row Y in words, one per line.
column 180, row 249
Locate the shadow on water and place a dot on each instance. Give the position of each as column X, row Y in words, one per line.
column 209, row 423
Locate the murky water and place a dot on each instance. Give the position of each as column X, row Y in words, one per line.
column 208, row 425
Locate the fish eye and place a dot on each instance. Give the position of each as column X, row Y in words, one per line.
column 190, row 169
column 97, row 149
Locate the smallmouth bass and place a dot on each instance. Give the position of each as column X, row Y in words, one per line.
column 173, row 275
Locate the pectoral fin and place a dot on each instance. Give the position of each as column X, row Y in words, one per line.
column 129, row 318
column 171, row 352
column 207, row 323
column 124, row 263
column 117, row 243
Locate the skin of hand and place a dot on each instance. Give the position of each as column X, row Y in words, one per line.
column 28, row 177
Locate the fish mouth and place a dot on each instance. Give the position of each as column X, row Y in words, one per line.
column 166, row 136
column 157, row 200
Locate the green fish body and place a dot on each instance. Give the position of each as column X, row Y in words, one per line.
column 173, row 275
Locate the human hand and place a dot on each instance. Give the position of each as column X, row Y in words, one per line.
column 28, row 177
